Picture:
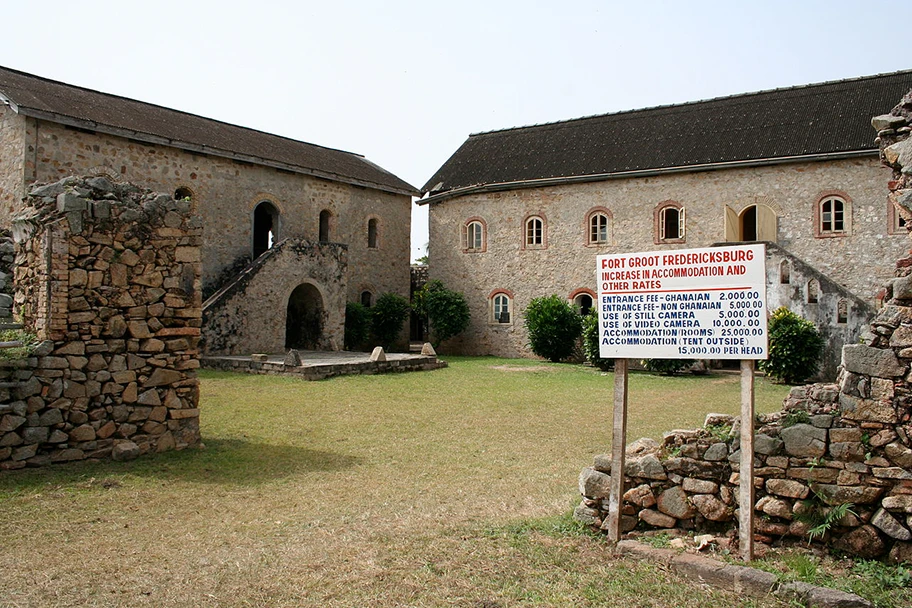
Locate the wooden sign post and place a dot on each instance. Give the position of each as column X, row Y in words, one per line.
column 684, row 304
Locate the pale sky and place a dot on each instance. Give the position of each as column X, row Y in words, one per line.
column 405, row 82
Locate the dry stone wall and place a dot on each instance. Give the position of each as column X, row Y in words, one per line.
column 108, row 277
column 848, row 443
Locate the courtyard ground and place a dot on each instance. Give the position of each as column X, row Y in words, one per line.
column 443, row 488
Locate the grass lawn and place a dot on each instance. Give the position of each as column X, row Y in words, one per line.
column 444, row 488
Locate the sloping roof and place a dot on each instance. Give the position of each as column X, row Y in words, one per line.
column 831, row 118
column 71, row 105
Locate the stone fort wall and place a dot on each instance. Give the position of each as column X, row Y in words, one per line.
column 224, row 194
column 567, row 263
column 108, row 278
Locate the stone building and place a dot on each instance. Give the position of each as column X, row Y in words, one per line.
column 343, row 221
column 523, row 212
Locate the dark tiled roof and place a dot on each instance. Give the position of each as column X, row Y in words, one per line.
column 827, row 118
column 57, row 101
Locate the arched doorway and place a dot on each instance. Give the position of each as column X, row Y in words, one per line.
column 304, row 318
column 754, row 223
column 265, row 227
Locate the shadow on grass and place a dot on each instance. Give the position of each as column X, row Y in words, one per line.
column 222, row 462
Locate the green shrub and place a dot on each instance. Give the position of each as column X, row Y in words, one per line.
column 28, row 341
column 795, row 348
column 357, row 325
column 447, row 312
column 388, row 316
column 591, row 342
column 667, row 367
column 553, row 327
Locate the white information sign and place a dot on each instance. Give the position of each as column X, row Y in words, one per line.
column 683, row 304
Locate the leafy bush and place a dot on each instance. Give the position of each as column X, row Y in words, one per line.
column 553, row 327
column 667, row 367
column 591, row 342
column 795, row 348
column 388, row 316
column 447, row 312
column 357, row 325
column 27, row 340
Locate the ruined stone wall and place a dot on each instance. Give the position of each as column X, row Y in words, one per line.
column 567, row 263
column 12, row 162
column 809, row 458
column 108, row 277
column 224, row 194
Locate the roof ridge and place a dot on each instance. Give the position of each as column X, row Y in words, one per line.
column 185, row 113
column 690, row 103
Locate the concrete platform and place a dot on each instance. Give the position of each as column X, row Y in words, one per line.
column 317, row 365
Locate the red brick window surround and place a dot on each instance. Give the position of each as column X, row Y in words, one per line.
column 897, row 223
column 669, row 223
column 501, row 306
column 599, row 227
column 832, row 215
column 474, row 235
column 535, row 232
column 583, row 300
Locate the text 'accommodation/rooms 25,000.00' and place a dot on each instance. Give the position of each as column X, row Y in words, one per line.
column 687, row 304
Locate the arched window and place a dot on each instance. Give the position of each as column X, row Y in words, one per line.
column 372, row 233
column 534, row 231
column 669, row 223
column 833, row 215
column 785, row 272
column 265, row 227
column 842, row 312
column 582, row 303
column 474, row 237
column 501, row 305
column 325, row 225
column 598, row 227
column 813, row 291
column 183, row 194
column 367, row 299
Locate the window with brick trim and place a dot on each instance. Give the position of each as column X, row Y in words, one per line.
column 833, row 215
column 501, row 307
column 474, row 237
column 599, row 228
column 669, row 223
column 534, row 232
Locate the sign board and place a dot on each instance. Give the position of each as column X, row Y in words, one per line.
column 683, row 304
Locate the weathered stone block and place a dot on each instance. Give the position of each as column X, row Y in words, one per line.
column 657, row 519
column 711, row 507
column 592, row 483
column 162, row 377
column 863, row 542
column 864, row 359
column 775, row 507
column 640, row 496
column 787, row 488
column 648, row 467
column 674, row 502
column 867, row 410
column 766, row 445
column 804, row 440
column 890, row 526
column 836, row 495
column 125, row 450
column 699, row 486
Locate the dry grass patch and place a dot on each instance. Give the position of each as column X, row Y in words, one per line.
column 447, row 488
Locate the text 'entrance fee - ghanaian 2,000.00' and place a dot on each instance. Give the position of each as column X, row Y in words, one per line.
column 685, row 304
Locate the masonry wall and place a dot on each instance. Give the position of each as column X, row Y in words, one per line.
column 567, row 263
column 224, row 194
column 233, row 320
column 108, row 278
column 12, row 161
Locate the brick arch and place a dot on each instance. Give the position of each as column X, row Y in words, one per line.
column 587, row 227
column 847, row 213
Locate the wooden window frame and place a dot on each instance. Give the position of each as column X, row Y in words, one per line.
column 658, row 220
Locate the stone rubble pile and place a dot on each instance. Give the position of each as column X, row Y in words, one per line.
column 108, row 277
